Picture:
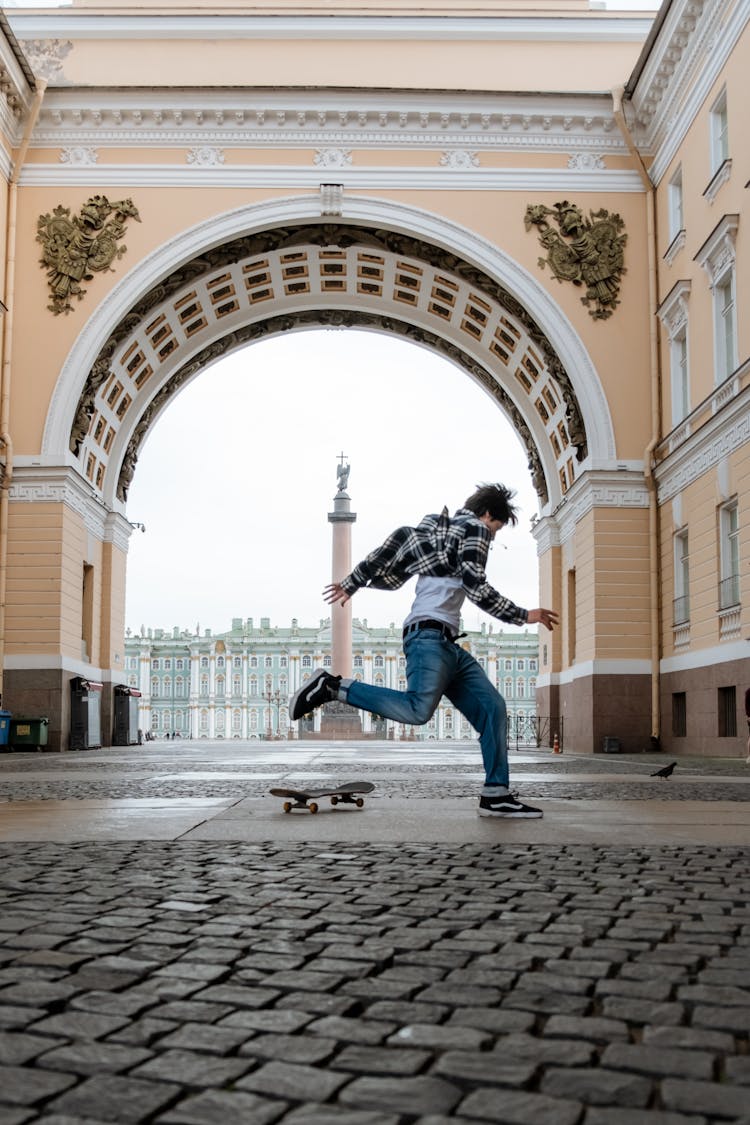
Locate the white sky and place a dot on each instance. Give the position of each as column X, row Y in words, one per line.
column 236, row 478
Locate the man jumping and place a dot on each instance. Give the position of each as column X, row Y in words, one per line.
column 449, row 555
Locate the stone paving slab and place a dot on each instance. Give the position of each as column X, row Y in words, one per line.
column 382, row 820
column 371, row 983
column 169, row 955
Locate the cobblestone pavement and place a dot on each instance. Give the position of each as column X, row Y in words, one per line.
column 187, row 982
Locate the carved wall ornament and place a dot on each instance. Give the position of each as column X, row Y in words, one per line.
column 459, row 159
column 206, row 156
column 332, row 158
column 79, row 156
column 586, row 162
column 46, row 56
column 589, row 251
column 74, row 246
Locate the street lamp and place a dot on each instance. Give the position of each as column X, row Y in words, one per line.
column 272, row 697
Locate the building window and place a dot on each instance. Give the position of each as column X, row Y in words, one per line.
column 283, row 662
column 719, row 130
column 532, row 666
column 220, row 662
column 508, row 665
column 307, row 662
column 179, row 665
column 167, row 665
column 679, row 714
column 236, row 720
column 521, row 665
column 680, row 376
column 204, row 685
column 269, row 662
column 236, row 685
column 253, row 685
column 357, row 661
column 681, row 605
column 729, row 556
column 727, row 706
column 521, row 689
column 236, row 661
column 725, row 322
column 379, row 662
column 675, row 203
column 155, row 665
column 154, row 688
column 253, row 661
column 204, row 662
column 508, row 687
column 326, row 662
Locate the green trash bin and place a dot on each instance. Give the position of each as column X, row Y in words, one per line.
column 28, row 732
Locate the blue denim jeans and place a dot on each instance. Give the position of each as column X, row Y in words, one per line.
column 435, row 667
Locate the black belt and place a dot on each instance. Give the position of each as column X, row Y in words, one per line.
column 427, row 624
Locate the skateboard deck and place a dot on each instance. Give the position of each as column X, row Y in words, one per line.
column 348, row 794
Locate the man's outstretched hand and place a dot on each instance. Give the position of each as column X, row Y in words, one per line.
column 546, row 617
column 335, row 593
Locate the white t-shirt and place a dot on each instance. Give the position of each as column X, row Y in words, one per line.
column 438, row 599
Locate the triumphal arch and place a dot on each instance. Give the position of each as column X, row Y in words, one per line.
column 494, row 180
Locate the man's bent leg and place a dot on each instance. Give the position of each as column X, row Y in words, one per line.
column 429, row 667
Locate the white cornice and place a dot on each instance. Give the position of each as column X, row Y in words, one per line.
column 363, row 179
column 688, row 56
column 726, row 432
column 81, row 25
column 347, row 119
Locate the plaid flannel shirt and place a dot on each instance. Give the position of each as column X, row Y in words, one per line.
column 444, row 548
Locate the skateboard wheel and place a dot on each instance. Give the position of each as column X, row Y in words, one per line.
column 334, row 800
column 360, row 803
column 287, row 806
column 312, row 807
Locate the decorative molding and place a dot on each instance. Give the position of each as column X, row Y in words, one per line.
column 721, row 177
column 83, row 25
column 79, row 156
column 46, row 58
column 673, row 311
column 459, row 159
column 331, row 199
column 324, row 119
column 285, row 176
column 676, row 245
column 718, row 253
column 684, row 62
column 723, row 434
column 205, row 156
column 62, row 485
column 618, row 488
column 332, row 158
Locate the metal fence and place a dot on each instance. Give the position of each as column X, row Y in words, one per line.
column 534, row 730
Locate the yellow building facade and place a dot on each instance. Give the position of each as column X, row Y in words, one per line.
column 551, row 195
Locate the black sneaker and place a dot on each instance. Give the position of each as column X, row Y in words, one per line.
column 508, row 805
column 320, row 688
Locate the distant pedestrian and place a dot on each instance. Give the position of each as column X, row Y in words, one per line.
column 747, row 716
column 449, row 555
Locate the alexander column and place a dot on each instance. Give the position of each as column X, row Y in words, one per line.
column 339, row 720
column 342, row 519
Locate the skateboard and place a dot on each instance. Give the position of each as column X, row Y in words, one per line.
column 308, row 798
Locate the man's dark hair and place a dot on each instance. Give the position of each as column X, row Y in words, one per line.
column 495, row 499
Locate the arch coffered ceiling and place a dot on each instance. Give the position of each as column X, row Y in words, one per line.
column 329, row 272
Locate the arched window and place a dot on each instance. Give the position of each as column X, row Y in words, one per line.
column 253, row 685
column 154, row 688
column 253, row 661
column 508, row 687
column 379, row 680
column 219, row 685
column 307, row 662
column 179, row 687
column 269, row 662
column 236, row 719
column 204, row 662
column 236, row 685
column 357, row 661
column 204, row 685
column 521, row 689
column 219, row 661
column 379, row 662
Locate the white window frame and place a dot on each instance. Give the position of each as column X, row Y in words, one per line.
column 676, row 204
column 719, row 132
column 682, row 571
column 717, row 256
column 729, row 553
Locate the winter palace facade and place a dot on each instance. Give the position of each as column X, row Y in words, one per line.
column 237, row 684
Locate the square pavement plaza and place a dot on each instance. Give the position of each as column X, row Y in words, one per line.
column 178, row 950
